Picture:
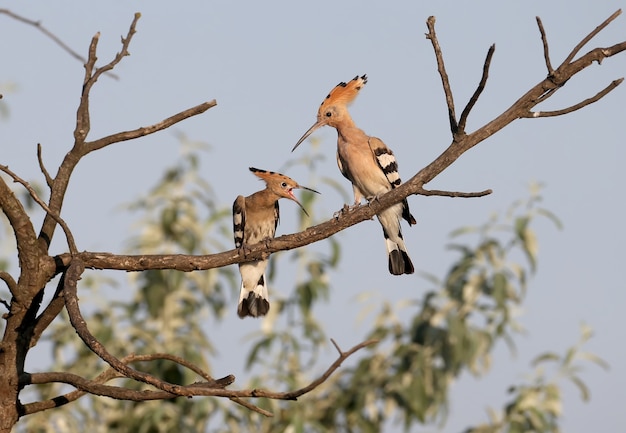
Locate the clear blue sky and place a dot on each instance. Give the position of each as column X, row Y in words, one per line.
column 270, row 64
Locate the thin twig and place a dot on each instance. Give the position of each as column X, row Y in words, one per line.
column 590, row 36
column 46, row 175
column 68, row 234
column 293, row 395
column 48, row 33
column 178, row 360
column 442, row 72
column 479, row 90
column 546, row 51
column 598, row 96
column 251, row 407
column 123, row 53
column 454, row 194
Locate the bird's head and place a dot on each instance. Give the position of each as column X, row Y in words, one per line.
column 334, row 109
column 281, row 185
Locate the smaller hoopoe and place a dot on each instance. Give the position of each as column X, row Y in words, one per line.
column 369, row 165
column 255, row 219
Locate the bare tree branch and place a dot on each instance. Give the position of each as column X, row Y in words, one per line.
column 42, row 167
column 251, row 407
column 212, row 387
column 454, row 194
column 588, row 101
column 479, row 90
column 72, row 275
column 85, row 386
column 147, row 130
column 589, row 37
column 91, row 77
column 48, row 33
column 24, row 236
column 546, row 51
column 81, row 148
column 430, row 23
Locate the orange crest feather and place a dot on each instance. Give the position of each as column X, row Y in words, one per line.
column 267, row 175
column 344, row 93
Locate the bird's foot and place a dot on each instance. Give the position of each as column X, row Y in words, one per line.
column 373, row 198
column 267, row 241
column 345, row 209
column 244, row 249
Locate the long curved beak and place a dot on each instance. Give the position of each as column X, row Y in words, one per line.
column 309, row 132
column 293, row 197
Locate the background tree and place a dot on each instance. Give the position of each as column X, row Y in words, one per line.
column 459, row 145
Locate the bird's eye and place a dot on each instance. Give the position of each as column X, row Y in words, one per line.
column 329, row 114
column 284, row 184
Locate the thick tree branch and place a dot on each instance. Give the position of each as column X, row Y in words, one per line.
column 25, row 238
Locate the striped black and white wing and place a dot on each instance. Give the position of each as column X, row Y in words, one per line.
column 239, row 220
column 276, row 217
column 387, row 162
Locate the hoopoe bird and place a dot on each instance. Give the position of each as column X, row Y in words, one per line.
column 255, row 219
column 369, row 164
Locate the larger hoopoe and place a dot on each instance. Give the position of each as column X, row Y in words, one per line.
column 255, row 219
column 369, row 164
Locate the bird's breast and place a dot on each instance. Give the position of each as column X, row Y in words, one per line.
column 358, row 164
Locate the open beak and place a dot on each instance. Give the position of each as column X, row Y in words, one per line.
column 293, row 197
column 309, row 132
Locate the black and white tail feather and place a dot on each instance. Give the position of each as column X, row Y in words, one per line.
column 399, row 260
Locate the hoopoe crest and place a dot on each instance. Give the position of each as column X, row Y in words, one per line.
column 369, row 165
column 255, row 219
